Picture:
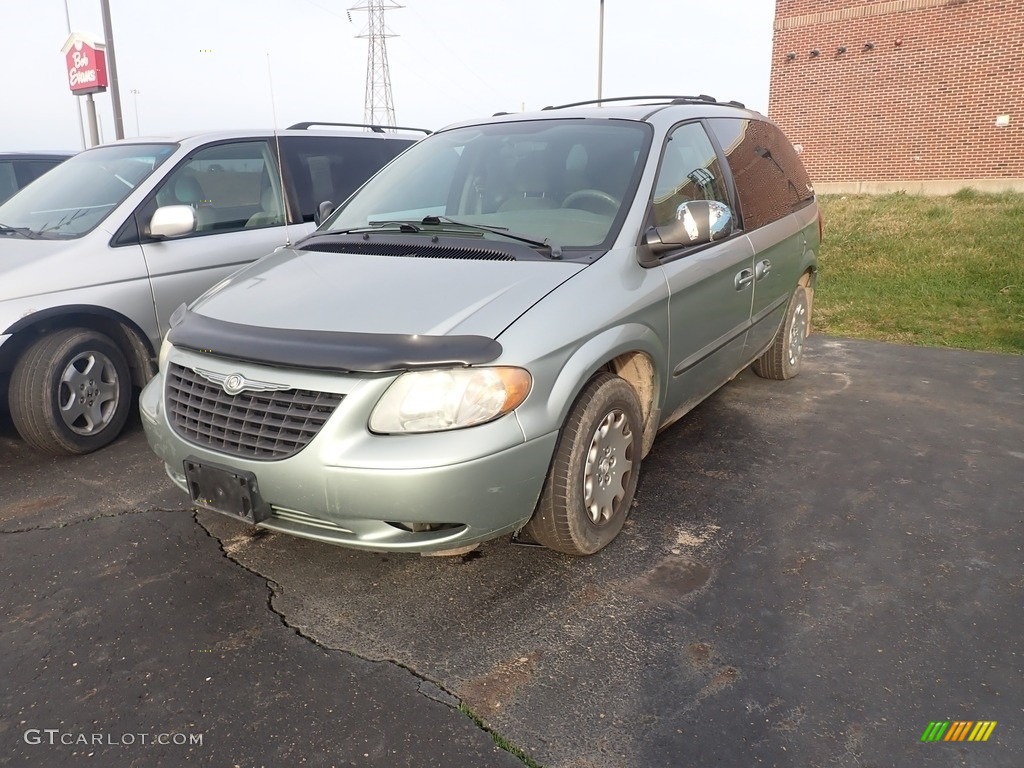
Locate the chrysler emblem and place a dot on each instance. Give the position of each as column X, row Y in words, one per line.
column 235, row 383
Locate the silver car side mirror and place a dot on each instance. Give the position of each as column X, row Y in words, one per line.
column 697, row 222
column 325, row 209
column 172, row 221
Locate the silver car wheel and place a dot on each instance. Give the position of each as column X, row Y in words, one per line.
column 797, row 333
column 590, row 486
column 608, row 467
column 782, row 359
column 89, row 393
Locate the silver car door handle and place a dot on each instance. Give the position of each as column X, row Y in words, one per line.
column 743, row 278
column 762, row 268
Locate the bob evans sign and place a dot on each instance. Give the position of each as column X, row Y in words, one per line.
column 87, row 66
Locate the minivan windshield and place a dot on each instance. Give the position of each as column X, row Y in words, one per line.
column 79, row 193
column 562, row 181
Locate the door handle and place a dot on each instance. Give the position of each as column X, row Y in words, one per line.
column 762, row 268
column 743, row 278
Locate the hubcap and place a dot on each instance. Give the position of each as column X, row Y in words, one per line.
column 797, row 333
column 88, row 393
column 609, row 462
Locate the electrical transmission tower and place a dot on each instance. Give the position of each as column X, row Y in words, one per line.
column 378, row 108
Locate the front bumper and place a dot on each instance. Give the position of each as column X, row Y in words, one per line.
column 352, row 488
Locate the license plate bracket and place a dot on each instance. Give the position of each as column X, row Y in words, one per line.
column 228, row 491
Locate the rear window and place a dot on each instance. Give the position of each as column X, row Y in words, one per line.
column 770, row 179
column 15, row 174
column 333, row 167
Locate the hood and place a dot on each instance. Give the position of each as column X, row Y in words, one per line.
column 365, row 293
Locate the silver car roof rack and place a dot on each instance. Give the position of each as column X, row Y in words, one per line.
column 701, row 99
column 374, row 128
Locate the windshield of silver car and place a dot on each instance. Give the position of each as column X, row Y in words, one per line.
column 78, row 194
column 567, row 182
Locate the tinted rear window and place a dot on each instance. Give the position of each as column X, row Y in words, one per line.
column 333, row 167
column 770, row 179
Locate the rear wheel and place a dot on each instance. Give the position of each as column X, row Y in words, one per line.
column 593, row 477
column 70, row 392
column 782, row 360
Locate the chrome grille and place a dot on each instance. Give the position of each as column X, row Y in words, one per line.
column 253, row 425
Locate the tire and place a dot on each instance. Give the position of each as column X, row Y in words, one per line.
column 43, row 407
column 602, row 438
column 783, row 358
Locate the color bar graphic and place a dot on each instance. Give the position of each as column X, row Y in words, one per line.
column 982, row 731
column 935, row 730
column 958, row 730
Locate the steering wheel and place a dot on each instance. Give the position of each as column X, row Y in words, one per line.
column 605, row 203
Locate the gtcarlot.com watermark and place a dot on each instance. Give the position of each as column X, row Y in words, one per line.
column 55, row 736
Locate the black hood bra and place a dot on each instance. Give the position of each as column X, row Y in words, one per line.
column 339, row 351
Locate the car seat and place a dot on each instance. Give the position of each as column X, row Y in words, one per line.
column 530, row 185
column 271, row 213
column 186, row 190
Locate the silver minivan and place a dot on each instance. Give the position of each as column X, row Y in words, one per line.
column 487, row 337
column 98, row 252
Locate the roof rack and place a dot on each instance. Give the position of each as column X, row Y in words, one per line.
column 701, row 99
column 374, row 128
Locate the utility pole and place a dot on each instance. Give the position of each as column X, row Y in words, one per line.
column 600, row 53
column 115, row 94
column 378, row 106
column 78, row 103
column 135, row 101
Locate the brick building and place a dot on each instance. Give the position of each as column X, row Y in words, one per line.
column 920, row 95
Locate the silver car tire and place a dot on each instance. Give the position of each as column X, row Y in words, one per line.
column 70, row 392
column 783, row 358
column 590, row 486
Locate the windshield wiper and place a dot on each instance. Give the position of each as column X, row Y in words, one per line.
column 555, row 251
column 23, row 231
column 64, row 221
column 377, row 226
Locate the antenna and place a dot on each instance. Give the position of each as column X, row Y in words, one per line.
column 378, row 106
column 280, row 157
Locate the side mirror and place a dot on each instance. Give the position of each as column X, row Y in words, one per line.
column 172, row 221
column 697, row 222
column 325, row 209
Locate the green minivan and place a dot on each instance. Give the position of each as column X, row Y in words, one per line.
column 486, row 338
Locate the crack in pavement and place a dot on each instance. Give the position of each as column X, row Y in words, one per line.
column 431, row 689
column 83, row 520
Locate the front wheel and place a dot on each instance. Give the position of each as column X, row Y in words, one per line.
column 70, row 392
column 782, row 360
column 593, row 476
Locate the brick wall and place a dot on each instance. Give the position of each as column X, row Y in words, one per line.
column 921, row 104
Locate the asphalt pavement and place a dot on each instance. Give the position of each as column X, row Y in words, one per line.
column 814, row 571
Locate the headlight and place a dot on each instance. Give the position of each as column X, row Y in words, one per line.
column 433, row 401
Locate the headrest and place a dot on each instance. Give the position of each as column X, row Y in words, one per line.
column 530, row 174
column 188, row 191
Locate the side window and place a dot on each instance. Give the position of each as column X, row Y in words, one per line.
column 20, row 173
column 8, row 181
column 331, row 168
column 689, row 171
column 230, row 186
column 30, row 170
column 770, row 179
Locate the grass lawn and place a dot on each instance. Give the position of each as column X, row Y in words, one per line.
column 940, row 271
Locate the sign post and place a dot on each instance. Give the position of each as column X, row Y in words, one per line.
column 87, row 74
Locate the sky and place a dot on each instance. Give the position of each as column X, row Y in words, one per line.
column 220, row 64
